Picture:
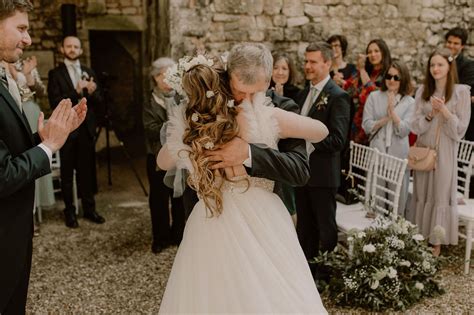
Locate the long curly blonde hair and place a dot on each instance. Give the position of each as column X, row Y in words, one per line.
column 211, row 123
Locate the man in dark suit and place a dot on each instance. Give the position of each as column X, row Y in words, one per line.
column 73, row 80
column 324, row 100
column 249, row 68
column 456, row 39
column 24, row 157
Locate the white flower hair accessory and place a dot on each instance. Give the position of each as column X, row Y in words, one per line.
column 210, row 94
column 209, row 145
column 195, row 117
column 450, row 59
column 230, row 103
column 174, row 74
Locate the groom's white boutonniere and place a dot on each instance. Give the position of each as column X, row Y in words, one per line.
column 322, row 102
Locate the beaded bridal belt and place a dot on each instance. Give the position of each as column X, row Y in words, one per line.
column 241, row 183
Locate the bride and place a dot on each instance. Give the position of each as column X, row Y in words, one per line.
column 240, row 252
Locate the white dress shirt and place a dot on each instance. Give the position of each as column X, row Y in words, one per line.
column 74, row 70
column 309, row 99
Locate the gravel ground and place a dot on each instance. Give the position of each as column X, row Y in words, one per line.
column 110, row 269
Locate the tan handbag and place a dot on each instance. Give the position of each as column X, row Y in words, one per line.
column 424, row 158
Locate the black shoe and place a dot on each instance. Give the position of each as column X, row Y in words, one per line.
column 70, row 219
column 94, row 217
column 157, row 248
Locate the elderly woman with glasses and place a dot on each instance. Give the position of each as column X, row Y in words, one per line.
column 387, row 116
column 155, row 114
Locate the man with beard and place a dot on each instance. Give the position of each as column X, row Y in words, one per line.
column 24, row 157
column 73, row 80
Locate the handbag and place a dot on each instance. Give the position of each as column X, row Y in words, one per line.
column 423, row 159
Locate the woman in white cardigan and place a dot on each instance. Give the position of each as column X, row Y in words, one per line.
column 387, row 116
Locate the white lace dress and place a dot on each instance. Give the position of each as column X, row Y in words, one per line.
column 248, row 259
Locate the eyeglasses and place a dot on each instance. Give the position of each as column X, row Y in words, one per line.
column 390, row 77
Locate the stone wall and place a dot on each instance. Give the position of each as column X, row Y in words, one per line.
column 411, row 28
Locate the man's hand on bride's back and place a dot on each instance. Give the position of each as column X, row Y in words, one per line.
column 233, row 153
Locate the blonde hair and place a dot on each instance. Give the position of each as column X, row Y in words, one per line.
column 211, row 123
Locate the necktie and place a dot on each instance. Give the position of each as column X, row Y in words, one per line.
column 14, row 91
column 314, row 93
column 76, row 74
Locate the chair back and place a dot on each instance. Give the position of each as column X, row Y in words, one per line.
column 387, row 183
column 465, row 160
column 362, row 159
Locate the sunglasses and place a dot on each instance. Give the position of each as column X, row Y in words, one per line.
column 390, row 77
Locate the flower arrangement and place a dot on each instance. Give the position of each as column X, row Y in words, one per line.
column 322, row 102
column 388, row 266
column 174, row 74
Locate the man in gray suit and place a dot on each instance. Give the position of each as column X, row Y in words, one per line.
column 24, row 157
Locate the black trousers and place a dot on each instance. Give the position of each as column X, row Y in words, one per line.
column 316, row 225
column 159, row 198
column 17, row 303
column 78, row 153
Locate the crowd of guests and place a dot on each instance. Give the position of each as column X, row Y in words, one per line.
column 382, row 107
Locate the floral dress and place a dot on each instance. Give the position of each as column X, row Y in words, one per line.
column 359, row 93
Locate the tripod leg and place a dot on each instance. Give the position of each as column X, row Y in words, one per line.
column 134, row 169
column 107, row 141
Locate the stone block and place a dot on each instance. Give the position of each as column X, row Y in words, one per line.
column 231, row 26
column 248, row 22
column 311, row 32
column 297, row 21
column 293, row 34
column 431, row 15
column 264, row 21
column 253, row 7
column 219, row 17
column 274, row 34
column 96, row 7
column 236, row 36
column 279, row 20
column 129, row 11
column 409, row 8
column 389, row 11
column 315, row 10
column 292, row 8
column 257, row 35
column 272, row 7
column 337, row 11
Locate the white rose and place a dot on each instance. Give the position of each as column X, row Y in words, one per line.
column 374, row 285
column 419, row 286
column 209, row 94
column 418, row 237
column 361, row 234
column 369, row 248
column 426, row 265
column 405, row 263
column 392, row 273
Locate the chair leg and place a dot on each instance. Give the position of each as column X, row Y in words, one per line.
column 469, row 227
column 38, row 214
column 74, row 193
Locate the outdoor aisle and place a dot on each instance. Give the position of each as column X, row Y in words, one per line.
column 110, row 269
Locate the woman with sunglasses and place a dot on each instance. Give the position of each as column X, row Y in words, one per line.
column 387, row 116
column 443, row 110
column 371, row 68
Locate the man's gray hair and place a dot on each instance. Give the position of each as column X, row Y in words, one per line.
column 244, row 59
column 324, row 48
column 159, row 65
column 8, row 7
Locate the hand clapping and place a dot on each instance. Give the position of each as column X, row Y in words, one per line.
column 62, row 122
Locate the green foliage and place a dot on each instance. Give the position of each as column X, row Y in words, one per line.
column 387, row 266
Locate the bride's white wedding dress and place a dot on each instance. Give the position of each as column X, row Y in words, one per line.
column 248, row 259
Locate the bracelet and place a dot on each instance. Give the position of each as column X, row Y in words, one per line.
column 428, row 118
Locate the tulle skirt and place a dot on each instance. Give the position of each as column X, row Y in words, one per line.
column 247, row 260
